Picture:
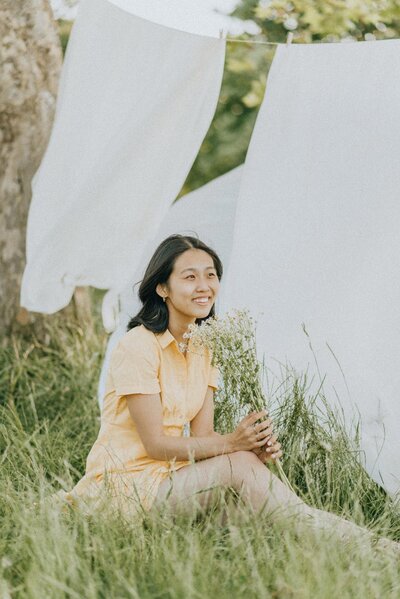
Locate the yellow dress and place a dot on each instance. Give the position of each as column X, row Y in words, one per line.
column 148, row 363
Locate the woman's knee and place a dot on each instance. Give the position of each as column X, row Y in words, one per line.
column 244, row 458
column 243, row 463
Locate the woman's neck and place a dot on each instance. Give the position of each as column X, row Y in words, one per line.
column 179, row 328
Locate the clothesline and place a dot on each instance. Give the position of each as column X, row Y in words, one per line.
column 236, row 41
column 232, row 39
column 250, row 41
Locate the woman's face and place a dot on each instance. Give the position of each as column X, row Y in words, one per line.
column 193, row 285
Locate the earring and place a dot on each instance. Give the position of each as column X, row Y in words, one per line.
column 163, row 299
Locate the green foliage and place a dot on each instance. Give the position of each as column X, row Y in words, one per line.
column 64, row 29
column 48, row 399
column 328, row 20
column 242, row 90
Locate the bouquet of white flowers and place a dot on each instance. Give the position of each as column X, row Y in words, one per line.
column 232, row 342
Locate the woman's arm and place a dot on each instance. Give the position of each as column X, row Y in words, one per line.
column 202, row 424
column 146, row 411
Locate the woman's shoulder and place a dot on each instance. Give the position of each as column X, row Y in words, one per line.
column 138, row 336
column 137, row 340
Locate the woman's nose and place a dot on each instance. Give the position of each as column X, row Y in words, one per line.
column 203, row 284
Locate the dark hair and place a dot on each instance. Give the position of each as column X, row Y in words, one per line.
column 154, row 313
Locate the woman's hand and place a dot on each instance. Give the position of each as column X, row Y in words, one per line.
column 249, row 435
column 269, row 453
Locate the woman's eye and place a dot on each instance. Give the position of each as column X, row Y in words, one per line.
column 212, row 274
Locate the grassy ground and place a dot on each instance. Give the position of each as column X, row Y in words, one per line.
column 48, row 421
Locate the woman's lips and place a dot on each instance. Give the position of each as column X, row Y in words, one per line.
column 201, row 301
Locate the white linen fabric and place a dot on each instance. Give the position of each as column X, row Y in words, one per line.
column 316, row 239
column 208, row 213
column 135, row 101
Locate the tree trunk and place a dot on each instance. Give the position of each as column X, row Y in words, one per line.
column 30, row 64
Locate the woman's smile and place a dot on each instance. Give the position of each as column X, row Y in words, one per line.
column 202, row 301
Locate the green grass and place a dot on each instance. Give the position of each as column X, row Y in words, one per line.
column 48, row 421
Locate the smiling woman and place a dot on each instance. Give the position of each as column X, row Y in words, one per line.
column 158, row 412
column 155, row 391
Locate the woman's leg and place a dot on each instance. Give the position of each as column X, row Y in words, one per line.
column 195, row 485
column 241, row 470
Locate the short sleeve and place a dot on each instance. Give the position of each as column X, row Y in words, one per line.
column 213, row 377
column 134, row 368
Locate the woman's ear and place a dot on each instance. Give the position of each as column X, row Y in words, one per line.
column 160, row 290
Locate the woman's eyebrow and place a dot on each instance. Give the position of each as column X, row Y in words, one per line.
column 195, row 269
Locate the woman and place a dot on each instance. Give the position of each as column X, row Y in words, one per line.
column 158, row 386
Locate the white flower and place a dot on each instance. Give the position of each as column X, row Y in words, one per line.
column 291, row 23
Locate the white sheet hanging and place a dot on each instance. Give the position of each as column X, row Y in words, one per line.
column 317, row 232
column 135, row 102
column 209, row 213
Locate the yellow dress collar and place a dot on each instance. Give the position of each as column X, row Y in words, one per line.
column 164, row 339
